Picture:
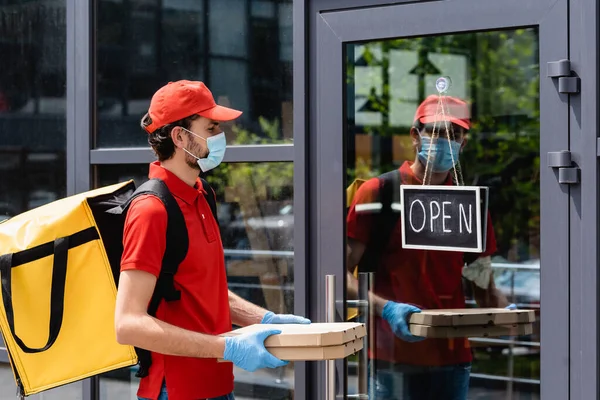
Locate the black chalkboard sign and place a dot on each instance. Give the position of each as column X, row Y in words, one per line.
column 452, row 218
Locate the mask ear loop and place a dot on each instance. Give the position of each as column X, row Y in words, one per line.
column 428, row 166
column 457, row 171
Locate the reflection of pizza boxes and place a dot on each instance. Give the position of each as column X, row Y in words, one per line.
column 317, row 341
column 472, row 316
column 451, row 218
column 472, row 322
column 470, row 331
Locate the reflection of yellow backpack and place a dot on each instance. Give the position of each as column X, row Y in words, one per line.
column 350, row 192
column 388, row 213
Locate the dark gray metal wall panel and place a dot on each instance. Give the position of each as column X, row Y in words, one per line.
column 245, row 153
column 330, row 5
column 79, row 113
column 434, row 18
column 326, row 170
column 71, row 126
column 301, row 190
column 554, row 136
column 330, row 229
column 79, row 94
column 330, row 157
column 91, row 388
column 316, row 287
column 584, row 203
column 138, row 155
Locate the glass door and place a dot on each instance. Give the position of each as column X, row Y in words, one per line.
column 393, row 82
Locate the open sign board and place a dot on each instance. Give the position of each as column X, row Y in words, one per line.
column 452, row 218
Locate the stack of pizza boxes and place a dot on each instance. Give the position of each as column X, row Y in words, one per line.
column 472, row 322
column 312, row 342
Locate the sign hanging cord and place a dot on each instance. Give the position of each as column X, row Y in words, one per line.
column 442, row 85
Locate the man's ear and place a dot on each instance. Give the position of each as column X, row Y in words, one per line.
column 177, row 134
column 415, row 137
column 463, row 144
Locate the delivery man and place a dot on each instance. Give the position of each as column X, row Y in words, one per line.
column 183, row 129
column 405, row 366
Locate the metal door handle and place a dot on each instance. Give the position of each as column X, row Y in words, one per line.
column 330, row 317
column 366, row 316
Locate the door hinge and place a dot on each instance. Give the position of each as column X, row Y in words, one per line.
column 568, row 82
column 561, row 160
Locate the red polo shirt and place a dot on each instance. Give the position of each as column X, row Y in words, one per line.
column 201, row 278
column 428, row 279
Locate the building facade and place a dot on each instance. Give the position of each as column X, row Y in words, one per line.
column 329, row 89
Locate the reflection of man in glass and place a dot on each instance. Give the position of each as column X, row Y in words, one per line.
column 406, row 281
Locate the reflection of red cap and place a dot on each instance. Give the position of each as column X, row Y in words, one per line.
column 456, row 111
column 178, row 100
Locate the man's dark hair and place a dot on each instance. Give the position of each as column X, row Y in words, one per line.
column 160, row 139
column 440, row 127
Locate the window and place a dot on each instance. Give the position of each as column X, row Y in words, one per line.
column 242, row 53
column 32, row 105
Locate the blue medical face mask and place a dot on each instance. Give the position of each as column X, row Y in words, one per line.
column 216, row 151
column 442, row 153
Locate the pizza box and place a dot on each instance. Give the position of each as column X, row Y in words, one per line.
column 472, row 316
column 307, row 335
column 315, row 353
column 470, row 331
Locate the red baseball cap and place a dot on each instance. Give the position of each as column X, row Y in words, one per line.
column 456, row 111
column 178, row 100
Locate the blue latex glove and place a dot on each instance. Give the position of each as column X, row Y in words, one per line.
column 248, row 351
column 397, row 314
column 511, row 307
column 272, row 318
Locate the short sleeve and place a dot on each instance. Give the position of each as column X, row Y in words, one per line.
column 362, row 211
column 144, row 235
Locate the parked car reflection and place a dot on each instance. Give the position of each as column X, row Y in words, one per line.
column 520, row 282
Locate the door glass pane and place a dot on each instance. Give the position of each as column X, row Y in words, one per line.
column 495, row 78
column 256, row 217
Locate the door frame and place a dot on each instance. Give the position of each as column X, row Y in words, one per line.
column 332, row 22
column 584, row 21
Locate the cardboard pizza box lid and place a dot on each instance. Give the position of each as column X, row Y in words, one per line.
column 316, row 353
column 470, row 331
column 472, row 316
column 309, row 335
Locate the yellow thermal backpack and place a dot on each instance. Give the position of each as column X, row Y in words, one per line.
column 383, row 225
column 59, row 269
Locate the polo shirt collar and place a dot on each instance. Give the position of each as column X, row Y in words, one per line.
column 407, row 176
column 176, row 186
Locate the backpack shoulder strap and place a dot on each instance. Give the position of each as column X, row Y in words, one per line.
column 210, row 198
column 176, row 236
column 385, row 221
